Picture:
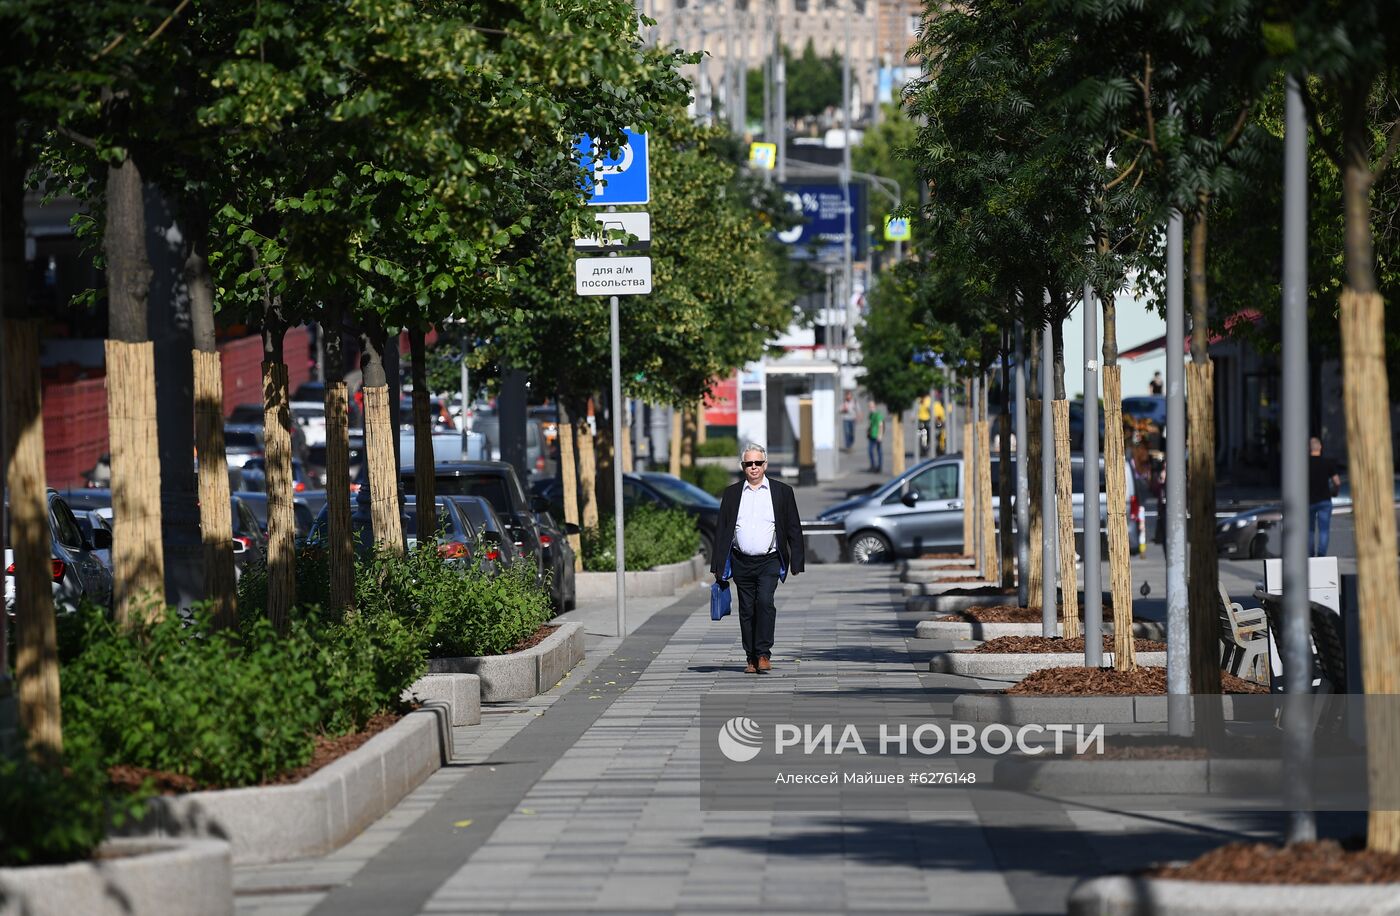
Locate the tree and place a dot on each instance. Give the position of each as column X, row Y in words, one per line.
column 890, row 339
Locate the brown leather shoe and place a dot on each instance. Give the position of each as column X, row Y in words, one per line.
column 750, row 669
column 764, row 666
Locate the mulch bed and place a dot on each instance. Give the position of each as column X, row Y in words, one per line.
column 1026, row 644
column 960, row 579
column 534, row 639
column 1007, row 613
column 1319, row 862
column 990, row 591
column 945, row 556
column 327, row 750
column 1088, row 682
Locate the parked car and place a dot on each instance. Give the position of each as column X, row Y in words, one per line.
column 254, row 476
column 668, row 492
column 316, row 462
column 361, row 525
column 495, row 549
column 559, row 559
column 541, row 453
column 455, row 538
column 77, row 573
column 311, row 417
column 1252, row 534
column 437, row 412
column 922, row 510
column 242, row 443
column 249, row 539
column 301, row 512
column 251, row 415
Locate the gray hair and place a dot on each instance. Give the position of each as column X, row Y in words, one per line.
column 753, row 447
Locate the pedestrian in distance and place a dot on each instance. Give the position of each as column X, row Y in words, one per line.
column 1156, row 386
column 848, row 420
column 874, row 434
column 925, row 424
column 759, row 533
column 1323, row 483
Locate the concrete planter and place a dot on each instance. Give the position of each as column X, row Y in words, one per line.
column 1019, row 664
column 322, row 812
column 936, row 589
column 959, row 629
column 1023, row 710
column 659, row 582
column 1123, row 895
column 918, row 564
column 948, row 604
column 152, row 877
column 460, row 692
column 935, row 576
column 524, row 674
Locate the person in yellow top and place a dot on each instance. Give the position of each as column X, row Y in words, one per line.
column 931, row 416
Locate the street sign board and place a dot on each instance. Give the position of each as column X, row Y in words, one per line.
column 612, row 276
column 821, row 208
column 896, row 229
column 620, row 181
column 763, row 155
column 607, row 229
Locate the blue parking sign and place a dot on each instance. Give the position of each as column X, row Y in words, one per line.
column 615, row 181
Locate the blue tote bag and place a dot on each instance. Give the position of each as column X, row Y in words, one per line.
column 720, row 598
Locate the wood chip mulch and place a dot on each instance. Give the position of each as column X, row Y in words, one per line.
column 945, row 556
column 1007, row 613
column 1026, row 644
column 327, row 750
column 960, row 579
column 534, row 639
column 1088, row 682
column 1319, row 862
column 985, row 591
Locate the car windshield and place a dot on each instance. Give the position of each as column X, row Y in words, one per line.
column 446, row 521
column 235, row 439
column 491, row 488
column 682, row 491
column 309, row 413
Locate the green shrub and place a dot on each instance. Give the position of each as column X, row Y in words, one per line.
column 454, row 610
column 711, row 478
column 55, row 814
column 313, row 578
column 719, row 447
column 654, row 538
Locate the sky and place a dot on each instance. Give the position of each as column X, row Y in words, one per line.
column 1137, row 323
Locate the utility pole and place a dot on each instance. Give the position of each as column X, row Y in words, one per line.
column 1023, row 513
column 1178, row 621
column 1093, row 571
column 780, row 96
column 849, row 297
column 1049, row 542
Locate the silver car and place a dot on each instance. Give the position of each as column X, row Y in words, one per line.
column 921, row 511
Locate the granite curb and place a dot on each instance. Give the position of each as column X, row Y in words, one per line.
column 322, row 812
column 918, row 564
column 960, row 629
column 1123, row 895
column 1020, row 664
column 149, row 877
column 461, row 693
column 936, row 589
column 520, row 675
column 1069, row 710
column 934, row 576
column 658, row 582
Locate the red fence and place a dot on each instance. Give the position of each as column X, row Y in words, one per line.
column 75, row 412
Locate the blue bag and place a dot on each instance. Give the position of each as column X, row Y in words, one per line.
column 720, row 598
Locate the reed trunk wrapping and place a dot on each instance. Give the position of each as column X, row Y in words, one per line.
column 36, row 641
column 897, row 444
column 339, row 543
column 138, row 562
column 587, row 476
column 675, row 466
column 984, row 500
column 1064, row 499
column 970, row 545
column 215, row 511
column 569, row 473
column 383, row 474
column 1120, row 571
column 281, row 520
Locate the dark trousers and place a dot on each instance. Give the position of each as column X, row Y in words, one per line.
column 756, row 579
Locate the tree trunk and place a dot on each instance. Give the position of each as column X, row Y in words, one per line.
column 379, row 446
column 215, row 511
column 423, row 483
column 587, row 476
column 1064, row 488
column 626, row 446
column 36, row 642
column 277, row 456
column 897, row 443
column 1005, row 487
column 675, row 468
column 1035, row 572
column 988, row 546
column 1120, row 572
column 700, row 433
column 1203, row 587
column 340, row 547
column 970, row 545
column 568, row 473
column 1370, row 466
column 688, row 434
column 138, row 560
column 603, row 466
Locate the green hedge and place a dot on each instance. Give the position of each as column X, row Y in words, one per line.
column 711, row 478
column 719, row 447
column 654, row 537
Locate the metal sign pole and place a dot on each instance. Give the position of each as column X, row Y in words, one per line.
column 1178, row 620
column 1093, row 573
column 617, row 467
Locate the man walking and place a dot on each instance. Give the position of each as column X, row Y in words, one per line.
column 760, row 534
column 1323, row 482
column 874, row 434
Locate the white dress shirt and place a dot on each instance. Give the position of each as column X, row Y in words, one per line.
column 754, row 529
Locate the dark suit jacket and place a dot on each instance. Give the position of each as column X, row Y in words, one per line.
column 786, row 523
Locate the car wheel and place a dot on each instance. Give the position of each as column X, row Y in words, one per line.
column 1258, row 545
column 870, row 547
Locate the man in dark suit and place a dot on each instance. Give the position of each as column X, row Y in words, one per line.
column 760, row 533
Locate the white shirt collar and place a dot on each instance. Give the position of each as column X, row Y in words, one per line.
column 762, row 484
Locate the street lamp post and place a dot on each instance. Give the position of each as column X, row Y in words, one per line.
column 847, row 252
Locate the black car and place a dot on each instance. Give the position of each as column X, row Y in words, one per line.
column 301, row 513
column 559, row 559
column 668, row 492
column 488, row 531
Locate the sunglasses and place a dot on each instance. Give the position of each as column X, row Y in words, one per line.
column 754, row 464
